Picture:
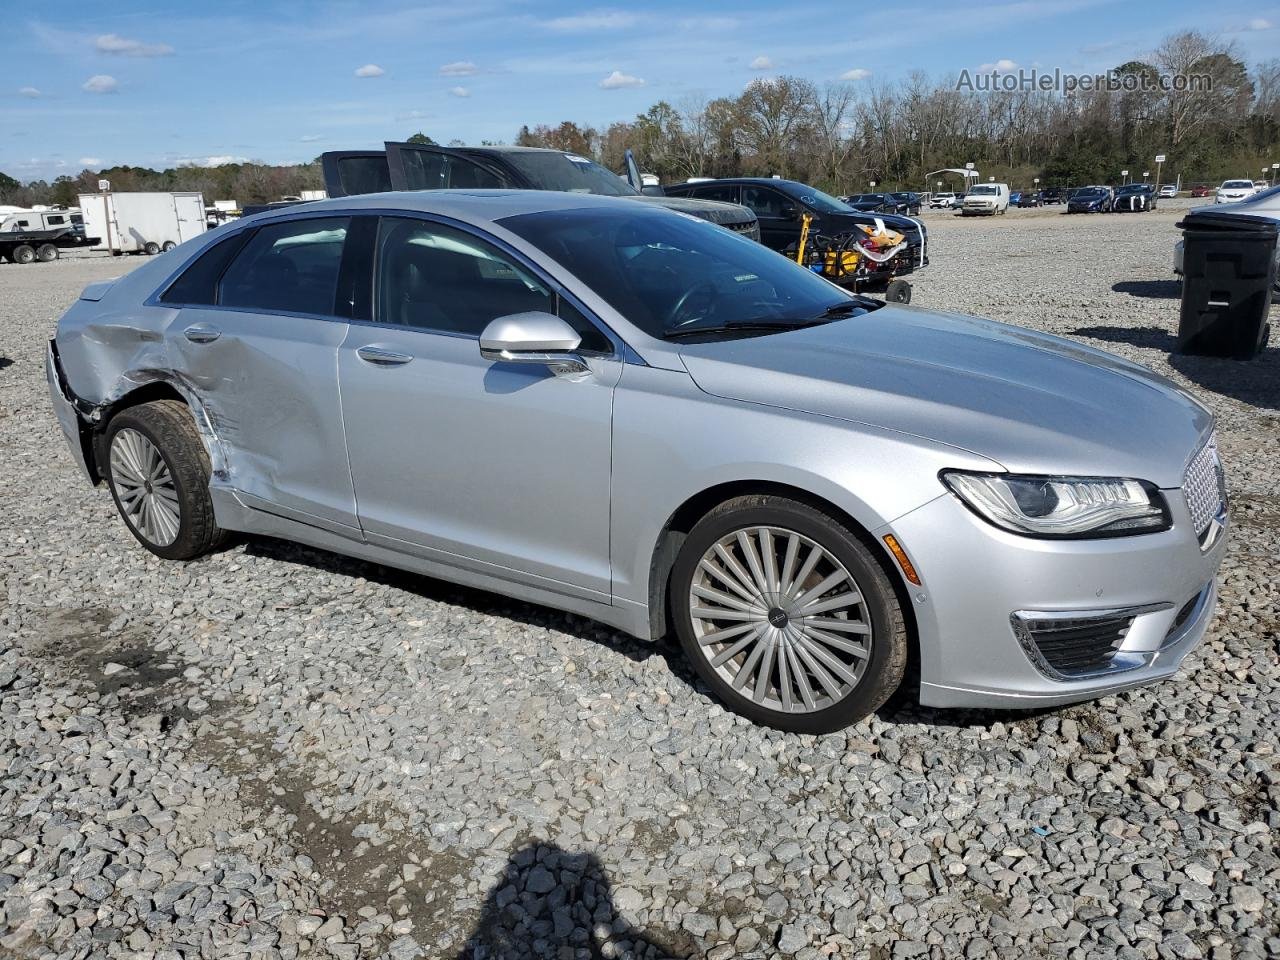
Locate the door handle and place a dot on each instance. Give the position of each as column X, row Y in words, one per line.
column 202, row 333
column 382, row 356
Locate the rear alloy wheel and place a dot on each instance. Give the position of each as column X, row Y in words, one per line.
column 46, row 253
column 24, row 253
column 158, row 472
column 787, row 615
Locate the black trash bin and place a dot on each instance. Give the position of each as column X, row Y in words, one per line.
column 1228, row 268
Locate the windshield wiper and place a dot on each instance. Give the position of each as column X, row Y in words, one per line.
column 848, row 306
column 746, row 325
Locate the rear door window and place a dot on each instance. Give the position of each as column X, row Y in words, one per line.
column 291, row 267
column 198, row 284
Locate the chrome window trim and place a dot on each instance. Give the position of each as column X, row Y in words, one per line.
column 622, row 351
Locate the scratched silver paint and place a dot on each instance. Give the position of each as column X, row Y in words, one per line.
column 559, row 490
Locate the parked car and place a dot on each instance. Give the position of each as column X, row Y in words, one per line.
column 412, row 166
column 1201, row 190
column 1029, row 198
column 942, row 201
column 872, row 203
column 1168, row 191
column 1135, row 198
column 908, row 202
column 1266, row 204
column 1233, row 190
column 612, row 409
column 780, row 206
column 986, row 199
column 1053, row 195
column 1090, row 200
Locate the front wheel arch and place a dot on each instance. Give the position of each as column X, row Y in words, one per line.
column 686, row 516
column 157, row 389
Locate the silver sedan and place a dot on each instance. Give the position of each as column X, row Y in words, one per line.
column 640, row 417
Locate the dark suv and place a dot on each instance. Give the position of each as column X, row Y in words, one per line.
column 780, row 205
column 411, row 166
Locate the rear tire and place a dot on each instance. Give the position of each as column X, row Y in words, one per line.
column 46, row 253
column 24, row 253
column 151, row 248
column 168, row 245
column 158, row 472
column 782, row 662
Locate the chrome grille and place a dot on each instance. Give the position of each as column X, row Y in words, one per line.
column 1205, row 487
column 1066, row 646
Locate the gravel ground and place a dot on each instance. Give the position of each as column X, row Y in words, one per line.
column 277, row 752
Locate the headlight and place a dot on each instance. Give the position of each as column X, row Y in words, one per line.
column 1077, row 507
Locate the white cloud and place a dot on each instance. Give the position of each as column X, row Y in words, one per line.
column 1003, row 65
column 311, row 138
column 618, row 80
column 30, row 92
column 594, row 20
column 857, row 73
column 214, row 161
column 461, row 68
column 459, row 92
column 369, row 70
column 101, row 83
column 90, row 162
column 1260, row 24
column 761, row 63
column 117, row 45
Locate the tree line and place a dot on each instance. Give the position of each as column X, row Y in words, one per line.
column 841, row 136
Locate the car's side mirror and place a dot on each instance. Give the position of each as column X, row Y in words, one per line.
column 533, row 337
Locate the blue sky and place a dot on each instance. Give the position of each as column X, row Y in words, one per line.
column 156, row 84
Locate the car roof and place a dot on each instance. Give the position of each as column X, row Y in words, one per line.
column 471, row 205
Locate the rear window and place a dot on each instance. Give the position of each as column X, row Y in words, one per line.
column 290, row 267
column 198, row 284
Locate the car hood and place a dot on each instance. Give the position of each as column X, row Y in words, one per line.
column 1029, row 401
column 712, row 210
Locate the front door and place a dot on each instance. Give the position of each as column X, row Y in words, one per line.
column 778, row 214
column 496, row 467
column 260, row 349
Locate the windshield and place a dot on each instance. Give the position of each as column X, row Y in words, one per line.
column 1089, row 193
column 1238, row 185
column 671, row 275
column 984, row 191
column 569, row 172
column 815, row 198
column 1134, row 188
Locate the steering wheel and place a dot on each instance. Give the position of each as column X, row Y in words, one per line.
column 702, row 295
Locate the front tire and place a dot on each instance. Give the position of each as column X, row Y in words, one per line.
column 151, row 248
column 25, row 253
column 158, row 471
column 787, row 615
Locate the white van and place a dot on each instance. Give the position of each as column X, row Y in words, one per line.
column 986, row 198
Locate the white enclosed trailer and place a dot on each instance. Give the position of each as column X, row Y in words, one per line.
column 142, row 222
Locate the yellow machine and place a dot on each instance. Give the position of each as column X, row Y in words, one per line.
column 850, row 257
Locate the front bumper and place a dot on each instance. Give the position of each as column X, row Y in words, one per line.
column 981, row 586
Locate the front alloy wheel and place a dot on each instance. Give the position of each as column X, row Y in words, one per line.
column 145, row 488
column 787, row 615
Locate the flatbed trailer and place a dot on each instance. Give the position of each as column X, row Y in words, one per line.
column 28, row 246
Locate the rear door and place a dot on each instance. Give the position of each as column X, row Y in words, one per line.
column 414, row 166
column 259, row 319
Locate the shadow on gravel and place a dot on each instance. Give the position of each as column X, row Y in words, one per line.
column 481, row 601
column 1255, row 382
column 1153, row 289
column 551, row 903
column 5, row 362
